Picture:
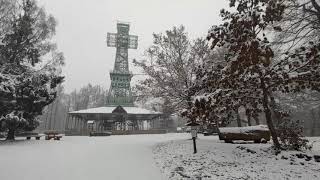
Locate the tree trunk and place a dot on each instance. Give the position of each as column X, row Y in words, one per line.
column 275, row 110
column 67, row 123
column 267, row 112
column 51, row 112
column 10, row 135
column 67, row 115
column 313, row 122
column 55, row 114
column 257, row 120
column 238, row 117
column 249, row 115
column 218, row 130
column 249, row 119
column 46, row 121
column 217, row 126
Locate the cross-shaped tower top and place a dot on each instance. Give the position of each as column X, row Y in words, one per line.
column 122, row 41
column 120, row 90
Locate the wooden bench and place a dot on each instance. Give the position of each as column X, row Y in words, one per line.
column 52, row 135
column 257, row 134
column 29, row 135
column 37, row 137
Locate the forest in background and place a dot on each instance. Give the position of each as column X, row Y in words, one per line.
column 55, row 114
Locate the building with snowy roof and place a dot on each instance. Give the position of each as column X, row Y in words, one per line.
column 119, row 114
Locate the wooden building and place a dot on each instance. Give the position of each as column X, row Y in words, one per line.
column 118, row 120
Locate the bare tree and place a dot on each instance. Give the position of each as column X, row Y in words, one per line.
column 300, row 23
column 170, row 67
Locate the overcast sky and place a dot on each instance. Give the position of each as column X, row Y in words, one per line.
column 83, row 26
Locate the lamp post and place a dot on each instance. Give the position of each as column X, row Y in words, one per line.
column 194, row 126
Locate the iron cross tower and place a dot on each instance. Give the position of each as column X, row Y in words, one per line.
column 120, row 90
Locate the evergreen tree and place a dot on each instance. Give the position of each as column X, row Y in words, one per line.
column 26, row 88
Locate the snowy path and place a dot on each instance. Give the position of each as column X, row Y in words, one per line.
column 83, row 158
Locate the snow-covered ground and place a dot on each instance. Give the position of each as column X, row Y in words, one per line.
column 83, row 158
column 218, row 160
column 131, row 158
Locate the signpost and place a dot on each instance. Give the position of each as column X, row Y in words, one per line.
column 194, row 127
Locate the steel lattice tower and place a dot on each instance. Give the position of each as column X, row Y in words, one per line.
column 120, row 89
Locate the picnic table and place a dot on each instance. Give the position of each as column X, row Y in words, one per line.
column 52, row 135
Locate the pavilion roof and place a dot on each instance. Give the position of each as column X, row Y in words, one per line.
column 109, row 110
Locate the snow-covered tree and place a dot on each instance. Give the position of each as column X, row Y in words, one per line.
column 300, row 23
column 8, row 10
column 30, row 67
column 86, row 97
column 250, row 75
column 170, row 67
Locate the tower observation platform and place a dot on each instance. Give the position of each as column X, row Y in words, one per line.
column 119, row 115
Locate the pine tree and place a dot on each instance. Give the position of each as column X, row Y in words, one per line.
column 27, row 89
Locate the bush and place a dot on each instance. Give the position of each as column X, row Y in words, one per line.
column 291, row 137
